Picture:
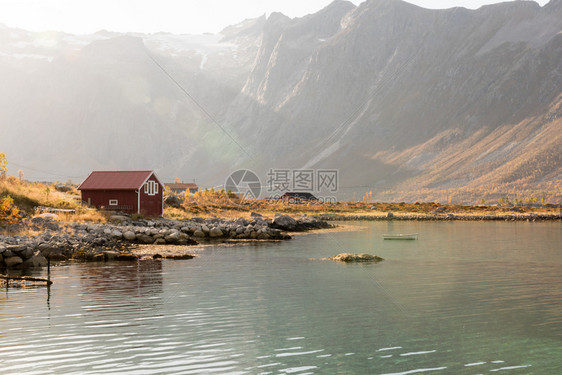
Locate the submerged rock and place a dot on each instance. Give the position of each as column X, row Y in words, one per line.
column 348, row 257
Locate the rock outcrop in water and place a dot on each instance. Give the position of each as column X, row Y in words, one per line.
column 348, row 257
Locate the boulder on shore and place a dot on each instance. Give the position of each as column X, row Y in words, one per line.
column 215, row 232
column 284, row 222
column 13, row 261
column 348, row 257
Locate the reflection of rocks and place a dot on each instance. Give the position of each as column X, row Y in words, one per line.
column 151, row 252
column 348, row 257
column 93, row 242
column 145, row 279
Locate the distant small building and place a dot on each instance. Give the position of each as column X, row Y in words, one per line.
column 133, row 192
column 298, row 196
column 179, row 187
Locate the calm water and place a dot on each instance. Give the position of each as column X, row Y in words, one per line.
column 466, row 298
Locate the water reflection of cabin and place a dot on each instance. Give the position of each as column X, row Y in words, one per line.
column 180, row 187
column 133, row 192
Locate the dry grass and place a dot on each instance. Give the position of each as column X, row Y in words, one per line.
column 84, row 215
column 243, row 208
column 29, row 195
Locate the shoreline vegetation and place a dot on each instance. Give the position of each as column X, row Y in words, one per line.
column 64, row 229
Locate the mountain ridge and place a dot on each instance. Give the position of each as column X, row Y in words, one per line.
column 404, row 101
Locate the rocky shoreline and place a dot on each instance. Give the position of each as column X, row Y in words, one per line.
column 59, row 241
column 442, row 217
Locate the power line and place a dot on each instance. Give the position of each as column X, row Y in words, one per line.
column 211, row 117
column 42, row 171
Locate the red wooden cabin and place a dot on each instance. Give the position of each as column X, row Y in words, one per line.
column 133, row 192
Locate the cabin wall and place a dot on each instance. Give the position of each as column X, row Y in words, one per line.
column 152, row 204
column 127, row 200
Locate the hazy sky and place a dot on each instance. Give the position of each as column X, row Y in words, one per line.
column 176, row 16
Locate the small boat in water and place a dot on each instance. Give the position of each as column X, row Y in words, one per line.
column 401, row 236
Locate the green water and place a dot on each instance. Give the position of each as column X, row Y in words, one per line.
column 465, row 298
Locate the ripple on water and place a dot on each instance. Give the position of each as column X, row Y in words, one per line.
column 417, row 371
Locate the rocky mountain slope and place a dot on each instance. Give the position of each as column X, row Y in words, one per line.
column 406, row 102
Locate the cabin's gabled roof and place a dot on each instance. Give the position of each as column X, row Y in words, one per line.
column 116, row 180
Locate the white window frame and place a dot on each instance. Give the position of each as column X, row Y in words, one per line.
column 151, row 188
column 113, row 202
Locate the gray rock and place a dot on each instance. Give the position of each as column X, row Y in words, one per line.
column 27, row 253
column 16, row 249
column 36, row 260
column 99, row 241
column 63, row 188
column 172, row 201
column 129, row 235
column 119, row 218
column 12, row 261
column 241, row 221
column 199, row 233
column 263, row 236
column 37, row 220
column 145, row 238
column 48, row 216
column 116, row 234
column 172, row 237
column 347, row 257
column 284, row 222
column 216, row 232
